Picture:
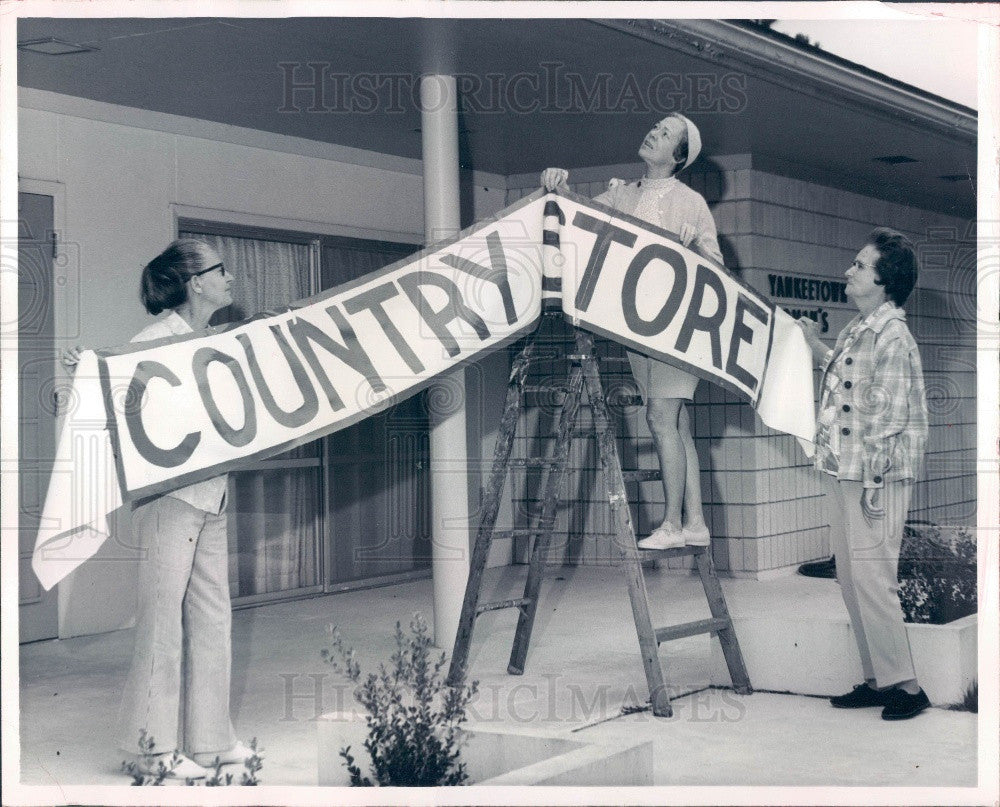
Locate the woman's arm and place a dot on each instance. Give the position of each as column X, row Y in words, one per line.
column 810, row 329
column 703, row 233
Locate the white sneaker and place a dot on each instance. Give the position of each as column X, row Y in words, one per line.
column 663, row 538
column 699, row 536
column 149, row 764
column 236, row 755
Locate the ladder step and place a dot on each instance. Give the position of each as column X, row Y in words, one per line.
column 641, row 476
column 690, row 629
column 675, row 552
column 519, row 602
column 561, row 389
column 531, row 462
column 522, row 532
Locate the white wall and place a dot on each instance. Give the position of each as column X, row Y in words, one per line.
column 125, row 172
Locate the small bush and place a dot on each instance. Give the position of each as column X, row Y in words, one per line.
column 937, row 574
column 970, row 703
column 414, row 716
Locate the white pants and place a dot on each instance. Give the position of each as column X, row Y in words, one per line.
column 867, row 563
column 178, row 686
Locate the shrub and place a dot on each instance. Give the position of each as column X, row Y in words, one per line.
column 970, row 701
column 937, row 573
column 413, row 715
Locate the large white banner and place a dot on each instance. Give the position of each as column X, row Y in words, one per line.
column 168, row 413
column 196, row 406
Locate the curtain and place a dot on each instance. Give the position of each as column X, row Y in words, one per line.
column 343, row 262
column 274, row 514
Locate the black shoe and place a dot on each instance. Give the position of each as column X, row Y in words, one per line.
column 902, row 705
column 861, row 696
column 820, row 568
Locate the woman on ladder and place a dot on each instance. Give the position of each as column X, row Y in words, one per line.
column 661, row 199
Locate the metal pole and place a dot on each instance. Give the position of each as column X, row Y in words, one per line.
column 446, row 399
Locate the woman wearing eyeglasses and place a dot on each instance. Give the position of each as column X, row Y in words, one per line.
column 177, row 690
column 870, row 439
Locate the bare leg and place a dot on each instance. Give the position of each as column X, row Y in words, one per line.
column 663, row 417
column 692, row 487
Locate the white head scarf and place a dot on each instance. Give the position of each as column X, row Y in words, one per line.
column 694, row 140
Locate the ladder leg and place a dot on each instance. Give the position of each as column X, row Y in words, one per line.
column 491, row 506
column 550, row 483
column 625, row 534
column 727, row 636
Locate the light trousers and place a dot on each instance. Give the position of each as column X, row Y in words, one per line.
column 178, row 686
column 867, row 565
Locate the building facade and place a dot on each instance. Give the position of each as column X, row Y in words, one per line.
column 796, row 174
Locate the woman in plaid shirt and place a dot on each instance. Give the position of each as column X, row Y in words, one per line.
column 870, row 439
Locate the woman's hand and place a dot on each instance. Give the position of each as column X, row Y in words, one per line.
column 553, row 178
column 810, row 329
column 687, row 234
column 871, row 504
column 70, row 357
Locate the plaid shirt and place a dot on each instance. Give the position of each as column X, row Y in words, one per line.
column 872, row 424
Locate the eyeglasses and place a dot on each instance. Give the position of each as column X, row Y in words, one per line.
column 859, row 265
column 212, row 268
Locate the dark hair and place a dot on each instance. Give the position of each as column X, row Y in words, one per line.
column 896, row 266
column 164, row 279
column 681, row 149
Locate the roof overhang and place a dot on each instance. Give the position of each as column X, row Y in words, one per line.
column 785, row 62
column 803, row 112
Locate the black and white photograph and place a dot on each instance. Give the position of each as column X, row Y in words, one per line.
column 499, row 402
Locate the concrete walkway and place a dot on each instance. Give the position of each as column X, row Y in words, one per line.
column 583, row 668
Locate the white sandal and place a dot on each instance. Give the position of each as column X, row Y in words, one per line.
column 663, row 538
column 149, row 764
column 236, row 755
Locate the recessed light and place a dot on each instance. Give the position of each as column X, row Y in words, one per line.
column 50, row 46
column 894, row 159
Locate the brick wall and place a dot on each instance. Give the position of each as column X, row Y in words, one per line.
column 762, row 498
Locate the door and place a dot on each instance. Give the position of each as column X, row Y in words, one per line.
column 38, row 615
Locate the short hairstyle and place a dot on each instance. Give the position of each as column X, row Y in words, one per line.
column 896, row 266
column 164, row 279
column 681, row 149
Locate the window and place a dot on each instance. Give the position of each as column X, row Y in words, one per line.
column 343, row 510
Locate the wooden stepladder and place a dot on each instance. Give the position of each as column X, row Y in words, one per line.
column 584, row 374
